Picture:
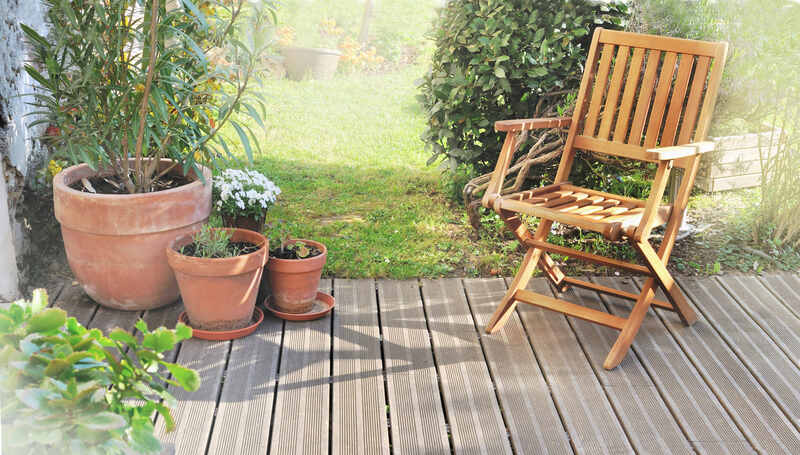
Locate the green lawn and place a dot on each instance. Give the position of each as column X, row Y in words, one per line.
column 347, row 155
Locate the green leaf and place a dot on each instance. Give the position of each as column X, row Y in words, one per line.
column 56, row 367
column 34, row 398
column 38, row 300
column 37, row 76
column 500, row 72
column 141, row 326
column 122, row 336
column 104, row 421
column 183, row 331
column 245, row 141
column 160, row 340
column 47, row 320
column 185, row 377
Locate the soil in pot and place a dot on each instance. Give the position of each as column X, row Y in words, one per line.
column 111, row 185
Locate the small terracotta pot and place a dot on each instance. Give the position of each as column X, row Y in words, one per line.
column 219, row 294
column 294, row 282
column 244, row 222
column 115, row 242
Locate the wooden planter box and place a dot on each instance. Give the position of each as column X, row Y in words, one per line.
column 736, row 163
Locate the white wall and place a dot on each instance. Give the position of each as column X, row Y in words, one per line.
column 20, row 153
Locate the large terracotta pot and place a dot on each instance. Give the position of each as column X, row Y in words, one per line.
column 219, row 294
column 115, row 243
column 294, row 282
column 317, row 63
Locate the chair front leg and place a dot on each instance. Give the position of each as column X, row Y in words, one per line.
column 521, row 279
column 628, row 333
column 664, row 278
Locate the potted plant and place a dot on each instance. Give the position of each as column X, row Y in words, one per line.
column 66, row 389
column 319, row 59
column 294, row 270
column 242, row 198
column 138, row 92
column 219, row 273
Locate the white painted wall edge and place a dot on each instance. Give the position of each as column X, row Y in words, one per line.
column 9, row 279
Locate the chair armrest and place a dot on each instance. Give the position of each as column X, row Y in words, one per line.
column 680, row 151
column 532, row 123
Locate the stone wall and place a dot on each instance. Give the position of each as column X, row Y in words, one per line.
column 20, row 153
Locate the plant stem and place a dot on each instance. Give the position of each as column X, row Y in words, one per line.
column 143, row 110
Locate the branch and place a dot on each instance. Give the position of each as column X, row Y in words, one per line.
column 146, row 94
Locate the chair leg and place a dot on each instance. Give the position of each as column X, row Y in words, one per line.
column 521, row 280
column 628, row 333
column 665, row 280
column 553, row 272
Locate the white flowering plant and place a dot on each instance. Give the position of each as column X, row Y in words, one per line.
column 244, row 193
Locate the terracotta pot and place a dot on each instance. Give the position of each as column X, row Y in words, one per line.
column 115, row 242
column 219, row 294
column 294, row 282
column 318, row 63
column 244, row 222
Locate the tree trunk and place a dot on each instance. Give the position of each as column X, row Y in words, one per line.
column 366, row 21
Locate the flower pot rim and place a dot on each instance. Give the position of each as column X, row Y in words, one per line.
column 319, row 245
column 59, row 181
column 318, row 50
column 179, row 241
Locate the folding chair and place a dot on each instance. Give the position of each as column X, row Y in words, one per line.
column 642, row 97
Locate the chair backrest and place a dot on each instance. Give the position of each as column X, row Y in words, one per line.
column 641, row 91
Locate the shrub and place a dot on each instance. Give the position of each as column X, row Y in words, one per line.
column 66, row 389
column 495, row 60
column 130, row 80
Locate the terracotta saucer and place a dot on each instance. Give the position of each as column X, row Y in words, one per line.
column 323, row 304
column 221, row 335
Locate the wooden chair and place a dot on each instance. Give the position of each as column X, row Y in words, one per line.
column 641, row 97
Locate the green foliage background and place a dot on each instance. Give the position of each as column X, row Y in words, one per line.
column 494, row 59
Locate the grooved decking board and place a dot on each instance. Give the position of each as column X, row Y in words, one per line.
column 767, row 311
column 242, row 425
column 359, row 398
column 107, row 319
column 195, row 411
column 588, row 415
column 302, row 406
column 693, row 404
column 76, row 303
column 415, row 406
column 764, row 424
column 534, row 424
column 787, row 287
column 649, row 424
column 763, row 354
column 472, row 409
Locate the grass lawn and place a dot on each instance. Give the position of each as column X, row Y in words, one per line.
column 347, row 155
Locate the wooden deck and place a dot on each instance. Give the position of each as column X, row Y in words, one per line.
column 404, row 367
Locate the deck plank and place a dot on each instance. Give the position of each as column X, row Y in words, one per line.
column 76, row 303
column 533, row 421
column 774, row 319
column 195, row 411
column 415, row 406
column 472, row 408
column 588, row 415
column 359, row 398
column 302, row 407
column 636, row 399
column 763, row 355
column 787, row 287
column 696, row 409
column 242, row 425
column 763, row 423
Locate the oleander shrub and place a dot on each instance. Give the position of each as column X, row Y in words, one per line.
column 494, row 60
